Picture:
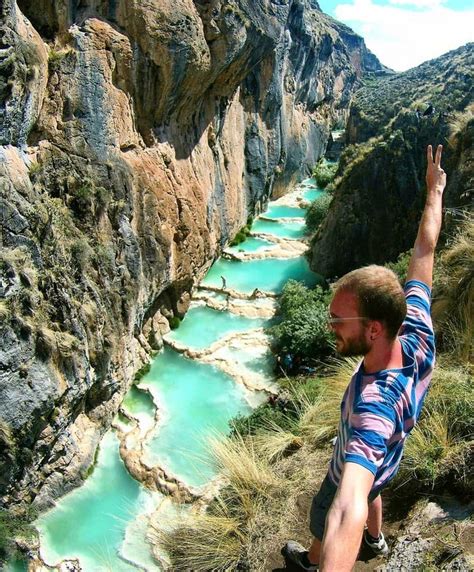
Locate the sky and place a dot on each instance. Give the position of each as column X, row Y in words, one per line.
column 405, row 33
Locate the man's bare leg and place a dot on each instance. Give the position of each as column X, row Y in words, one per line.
column 374, row 517
column 315, row 551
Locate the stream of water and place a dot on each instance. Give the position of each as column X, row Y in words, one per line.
column 103, row 524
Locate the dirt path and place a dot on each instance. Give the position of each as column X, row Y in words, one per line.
column 421, row 535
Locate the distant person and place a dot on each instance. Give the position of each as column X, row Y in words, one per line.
column 224, row 283
column 430, row 110
column 391, row 328
column 285, row 362
column 255, row 294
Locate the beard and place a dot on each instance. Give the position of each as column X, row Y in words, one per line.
column 355, row 346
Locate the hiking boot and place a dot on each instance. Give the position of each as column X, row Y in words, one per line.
column 378, row 546
column 296, row 553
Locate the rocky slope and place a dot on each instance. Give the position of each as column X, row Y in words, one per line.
column 380, row 185
column 135, row 140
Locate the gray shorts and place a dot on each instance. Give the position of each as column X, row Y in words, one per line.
column 321, row 504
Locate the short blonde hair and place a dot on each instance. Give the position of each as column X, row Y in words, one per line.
column 379, row 295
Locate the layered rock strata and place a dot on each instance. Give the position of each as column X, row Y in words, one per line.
column 136, row 138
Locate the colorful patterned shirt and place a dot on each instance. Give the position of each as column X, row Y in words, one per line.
column 379, row 410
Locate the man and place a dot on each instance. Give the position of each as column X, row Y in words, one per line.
column 372, row 316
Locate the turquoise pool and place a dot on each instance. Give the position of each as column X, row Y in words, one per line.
column 312, row 194
column 311, row 182
column 90, row 522
column 197, row 401
column 139, row 402
column 100, row 522
column 252, row 244
column 281, row 229
column 202, row 326
column 284, row 211
column 269, row 274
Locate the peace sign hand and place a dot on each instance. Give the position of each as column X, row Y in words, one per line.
column 435, row 176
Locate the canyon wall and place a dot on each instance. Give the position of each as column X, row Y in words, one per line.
column 380, row 184
column 136, row 138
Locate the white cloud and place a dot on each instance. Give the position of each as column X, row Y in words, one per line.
column 402, row 37
column 418, row 3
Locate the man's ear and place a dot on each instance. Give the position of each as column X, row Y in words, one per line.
column 376, row 329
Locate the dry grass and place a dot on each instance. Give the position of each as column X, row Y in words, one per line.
column 275, row 442
column 20, row 259
column 319, row 422
column 452, row 385
column 458, row 124
column 453, row 309
column 439, row 446
column 238, row 461
column 4, row 310
column 204, row 541
column 285, row 516
column 217, row 539
column 432, row 451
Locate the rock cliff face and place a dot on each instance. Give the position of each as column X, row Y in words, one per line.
column 380, row 184
column 136, row 138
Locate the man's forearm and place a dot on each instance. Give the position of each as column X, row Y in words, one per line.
column 430, row 224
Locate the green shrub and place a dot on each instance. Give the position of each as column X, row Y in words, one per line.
column 400, row 267
column 13, row 526
column 141, row 372
column 324, row 173
column 35, row 168
column 241, row 236
column 104, row 258
column 103, row 197
column 55, row 57
column 303, row 331
column 88, row 200
column 317, row 212
column 83, row 199
column 81, row 252
column 174, row 322
column 263, row 416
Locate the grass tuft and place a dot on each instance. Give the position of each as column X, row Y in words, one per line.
column 320, row 421
column 453, row 309
column 275, row 442
column 438, row 449
column 239, row 462
column 432, row 452
column 203, row 541
column 458, row 124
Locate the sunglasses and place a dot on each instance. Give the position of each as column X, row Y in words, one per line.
column 330, row 320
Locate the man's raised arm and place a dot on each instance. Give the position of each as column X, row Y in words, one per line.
column 421, row 263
